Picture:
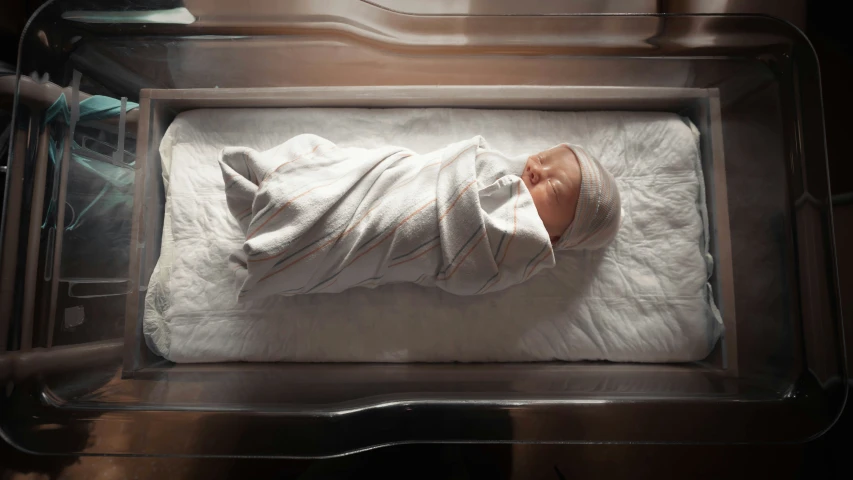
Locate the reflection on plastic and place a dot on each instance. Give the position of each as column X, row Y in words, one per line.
column 174, row 16
column 94, row 289
column 99, row 190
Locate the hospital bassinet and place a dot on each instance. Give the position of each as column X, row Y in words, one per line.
column 80, row 243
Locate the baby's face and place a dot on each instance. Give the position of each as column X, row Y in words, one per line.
column 553, row 178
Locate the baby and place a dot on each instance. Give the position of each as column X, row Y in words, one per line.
column 575, row 197
column 464, row 218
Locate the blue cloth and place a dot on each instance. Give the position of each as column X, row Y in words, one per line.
column 116, row 177
column 96, row 107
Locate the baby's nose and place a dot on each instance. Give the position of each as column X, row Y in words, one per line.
column 534, row 173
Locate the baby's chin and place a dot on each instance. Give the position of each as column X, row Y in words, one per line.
column 554, row 234
column 558, row 230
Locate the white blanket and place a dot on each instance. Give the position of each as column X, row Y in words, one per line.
column 320, row 218
column 642, row 299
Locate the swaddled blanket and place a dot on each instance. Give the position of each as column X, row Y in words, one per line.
column 321, row 218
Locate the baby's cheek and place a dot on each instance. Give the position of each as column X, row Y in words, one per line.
column 543, row 207
column 537, row 200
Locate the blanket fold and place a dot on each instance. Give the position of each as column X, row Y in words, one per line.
column 319, row 218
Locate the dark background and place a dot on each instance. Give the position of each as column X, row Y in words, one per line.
column 831, row 456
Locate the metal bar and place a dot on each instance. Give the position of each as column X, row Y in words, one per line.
column 21, row 365
column 722, row 238
column 39, row 96
column 9, row 261
column 134, row 351
column 457, row 96
column 33, row 243
column 63, row 166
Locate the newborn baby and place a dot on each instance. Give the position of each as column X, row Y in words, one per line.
column 465, row 218
column 568, row 185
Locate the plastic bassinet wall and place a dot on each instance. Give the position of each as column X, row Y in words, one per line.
column 82, row 380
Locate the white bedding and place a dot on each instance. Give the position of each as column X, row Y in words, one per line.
column 643, row 299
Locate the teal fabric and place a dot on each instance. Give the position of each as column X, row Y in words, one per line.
column 118, row 178
column 96, row 107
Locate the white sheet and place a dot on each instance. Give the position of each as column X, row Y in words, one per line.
column 643, row 299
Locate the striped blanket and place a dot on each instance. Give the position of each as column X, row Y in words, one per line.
column 319, row 218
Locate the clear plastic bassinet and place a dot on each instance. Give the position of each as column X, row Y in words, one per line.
column 83, row 217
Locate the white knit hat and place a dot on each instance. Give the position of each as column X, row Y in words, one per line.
column 599, row 211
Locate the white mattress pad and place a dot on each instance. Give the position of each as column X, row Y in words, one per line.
column 645, row 298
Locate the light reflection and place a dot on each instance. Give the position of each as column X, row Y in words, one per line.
column 174, row 16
